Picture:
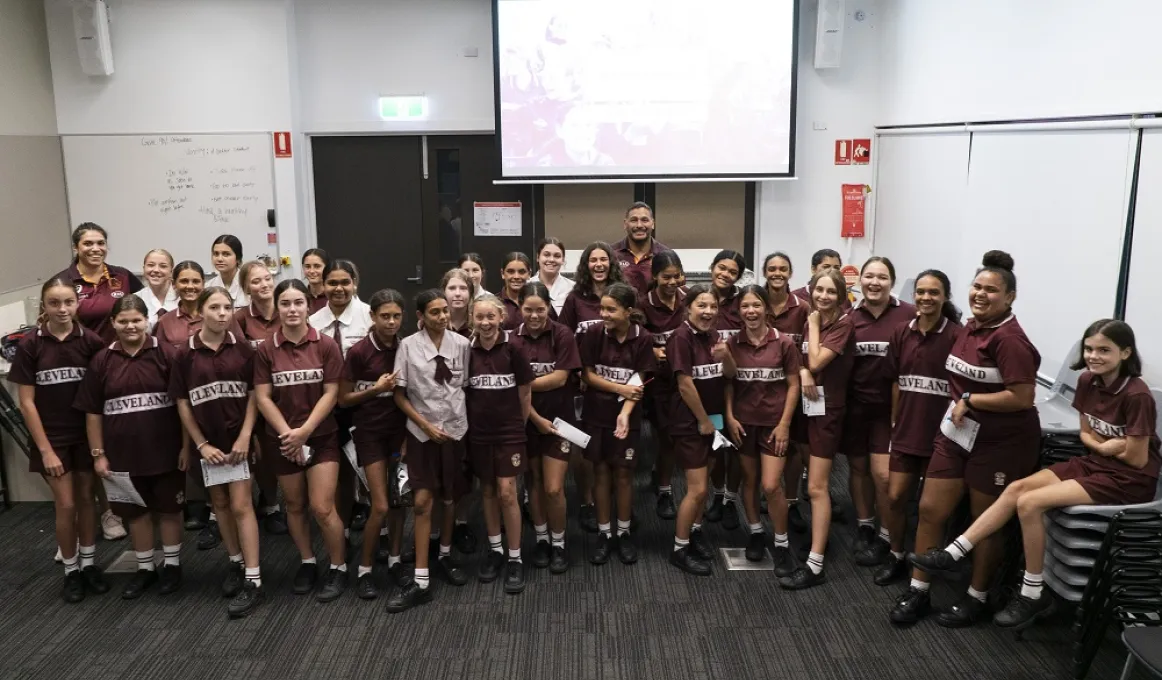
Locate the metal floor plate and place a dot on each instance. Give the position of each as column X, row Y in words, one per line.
column 126, row 562
column 735, row 560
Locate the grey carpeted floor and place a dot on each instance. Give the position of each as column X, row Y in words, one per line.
column 638, row 622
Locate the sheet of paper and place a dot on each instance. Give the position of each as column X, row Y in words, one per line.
column 306, row 454
column 965, row 435
column 571, row 434
column 720, row 441
column 349, row 451
column 495, row 219
column 814, row 407
column 119, row 489
column 634, row 381
column 213, row 475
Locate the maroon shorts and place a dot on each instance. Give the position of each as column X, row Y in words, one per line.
column 605, row 448
column 799, row 427
column 758, row 441
column 324, row 449
column 991, row 466
column 693, row 451
column 490, row 461
column 439, row 468
column 907, row 463
column 164, row 493
column 866, row 429
column 73, row 457
column 1106, row 484
column 548, row 446
column 824, row 433
column 378, row 449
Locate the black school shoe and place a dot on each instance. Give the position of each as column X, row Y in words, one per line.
column 936, row 561
column 875, row 554
column 408, row 597
column 490, row 567
column 73, row 590
column 730, row 516
column 666, row 508
column 365, row 587
column 305, row 579
column 626, row 550
column 963, row 614
column 687, row 562
column 210, row 536
column 714, row 512
column 94, row 580
column 514, row 577
column 170, row 580
column 602, row 550
column 450, row 571
column 912, row 606
column 399, row 575
column 142, row 581
column 802, row 578
column 334, row 583
column 542, row 554
column 700, row 547
column 235, row 577
column 587, row 518
column 464, row 539
column 756, row 547
column 274, row 524
column 784, row 563
column 893, row 569
column 558, row 561
column 1023, row 612
column 246, row 601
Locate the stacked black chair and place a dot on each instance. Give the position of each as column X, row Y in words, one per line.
column 13, row 423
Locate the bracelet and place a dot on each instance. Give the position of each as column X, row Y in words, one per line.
column 199, row 446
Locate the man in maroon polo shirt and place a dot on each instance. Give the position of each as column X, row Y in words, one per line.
column 635, row 253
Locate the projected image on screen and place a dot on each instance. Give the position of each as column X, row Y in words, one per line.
column 645, row 88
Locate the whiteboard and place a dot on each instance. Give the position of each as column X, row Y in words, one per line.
column 177, row 192
column 1146, row 253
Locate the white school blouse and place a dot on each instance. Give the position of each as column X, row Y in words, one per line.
column 241, row 299
column 354, row 323
column 157, row 307
column 558, row 291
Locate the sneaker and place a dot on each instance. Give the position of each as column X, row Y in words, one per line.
column 58, row 558
column 142, row 581
column 730, row 516
column 275, row 524
column 305, row 579
column 666, row 508
column 687, row 562
column 865, row 537
column 626, row 550
column 912, row 606
column 170, row 580
column 359, row 516
column 210, row 536
column 74, row 588
column 893, row 569
column 1023, row 612
column 802, row 578
column 405, row 599
column 235, row 577
column 399, row 575
column 962, row 614
column 601, row 551
column 95, row 580
column 490, row 566
column 451, row 572
column 714, row 512
column 246, row 601
column 784, row 563
column 795, row 519
column 514, row 577
column 464, row 539
column 334, row 583
column 935, row 561
column 558, row 561
column 542, row 554
column 587, row 518
column 756, row 547
column 700, row 547
column 111, row 527
column 365, row 587
column 875, row 554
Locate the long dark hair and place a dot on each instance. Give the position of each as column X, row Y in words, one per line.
column 822, row 254
column 233, row 243
column 583, row 280
column 661, row 262
column 732, row 255
column 949, row 310
column 287, row 284
column 1119, row 333
column 80, row 231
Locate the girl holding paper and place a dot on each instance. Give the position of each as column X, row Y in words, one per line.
column 992, row 435
column 551, row 349
column 212, row 382
column 665, row 310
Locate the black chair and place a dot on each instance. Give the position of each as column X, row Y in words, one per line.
column 1144, row 645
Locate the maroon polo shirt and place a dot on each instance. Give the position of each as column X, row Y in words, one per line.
column 95, row 301
column 56, row 368
column 792, row 320
column 492, row 397
column 175, row 328
column 316, row 302
column 254, row 328
column 805, row 295
column 1125, row 408
column 839, row 337
column 217, row 384
column 729, row 320
column 689, row 352
column 915, row 363
column 142, row 431
column 635, row 272
column 869, row 385
column 760, row 383
column 298, row 374
column 983, row 360
column 616, row 362
column 377, row 418
column 555, row 349
column 512, row 314
column 580, row 311
column 661, row 322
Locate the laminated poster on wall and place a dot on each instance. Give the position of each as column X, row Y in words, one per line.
column 496, row 219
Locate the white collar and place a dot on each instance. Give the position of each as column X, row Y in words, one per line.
column 327, row 317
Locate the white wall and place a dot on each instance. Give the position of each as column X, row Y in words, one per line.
column 989, row 60
column 25, row 76
column 803, row 215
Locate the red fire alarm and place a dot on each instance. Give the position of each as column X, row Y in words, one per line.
column 282, row 145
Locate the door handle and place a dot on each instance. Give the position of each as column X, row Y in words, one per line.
column 419, row 277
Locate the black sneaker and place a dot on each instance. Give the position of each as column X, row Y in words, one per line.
column 142, row 581
column 684, row 560
column 626, row 550
column 490, row 566
column 246, row 601
column 795, row 519
column 893, row 569
column 95, row 580
column 587, row 518
column 383, row 550
column 464, row 539
column 935, row 561
column 912, row 606
column 875, row 554
column 235, row 577
column 1023, row 612
column 784, row 563
column 365, row 587
column 601, row 550
column 334, row 583
column 399, row 574
column 756, row 547
column 700, row 547
column 170, row 579
column 558, row 561
column 74, row 588
column 408, row 597
column 666, row 508
column 963, row 614
column 359, row 516
column 274, row 524
column 865, row 537
column 714, row 512
column 730, row 516
column 452, row 572
column 305, row 579
column 514, row 577
column 802, row 578
column 209, row 537
column 542, row 554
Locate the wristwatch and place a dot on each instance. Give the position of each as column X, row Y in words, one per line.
column 965, row 398
column 97, row 453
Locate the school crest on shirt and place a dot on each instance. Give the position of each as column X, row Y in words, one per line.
column 564, row 446
column 999, row 479
column 516, row 460
column 629, row 454
column 180, row 497
column 117, row 294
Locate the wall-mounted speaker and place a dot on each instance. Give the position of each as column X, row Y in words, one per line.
column 91, row 23
column 829, row 33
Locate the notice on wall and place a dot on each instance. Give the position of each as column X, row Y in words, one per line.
column 496, row 219
column 853, row 211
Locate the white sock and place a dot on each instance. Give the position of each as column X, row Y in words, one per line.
column 667, row 489
column 495, row 544
column 340, row 567
column 86, row 553
column 885, row 535
column 383, row 531
column 421, row 578
column 781, row 541
column 514, row 554
column 309, row 560
column 213, row 517
column 71, row 564
column 445, row 550
column 558, row 539
column 603, row 529
column 917, row 584
column 173, row 555
column 623, row 527
column 363, row 571
column 542, row 532
column 731, row 497
column 145, row 560
column 254, row 576
column 815, row 562
column 680, row 543
column 870, row 522
column 756, row 528
column 959, row 548
column 236, row 559
column 392, row 560
column 1031, row 585
column 978, row 595
column 696, row 526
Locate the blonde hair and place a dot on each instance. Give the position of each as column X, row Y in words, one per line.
column 458, row 273
column 244, row 273
column 163, row 251
column 488, row 299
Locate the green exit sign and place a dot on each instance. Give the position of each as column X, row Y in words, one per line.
column 403, row 108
